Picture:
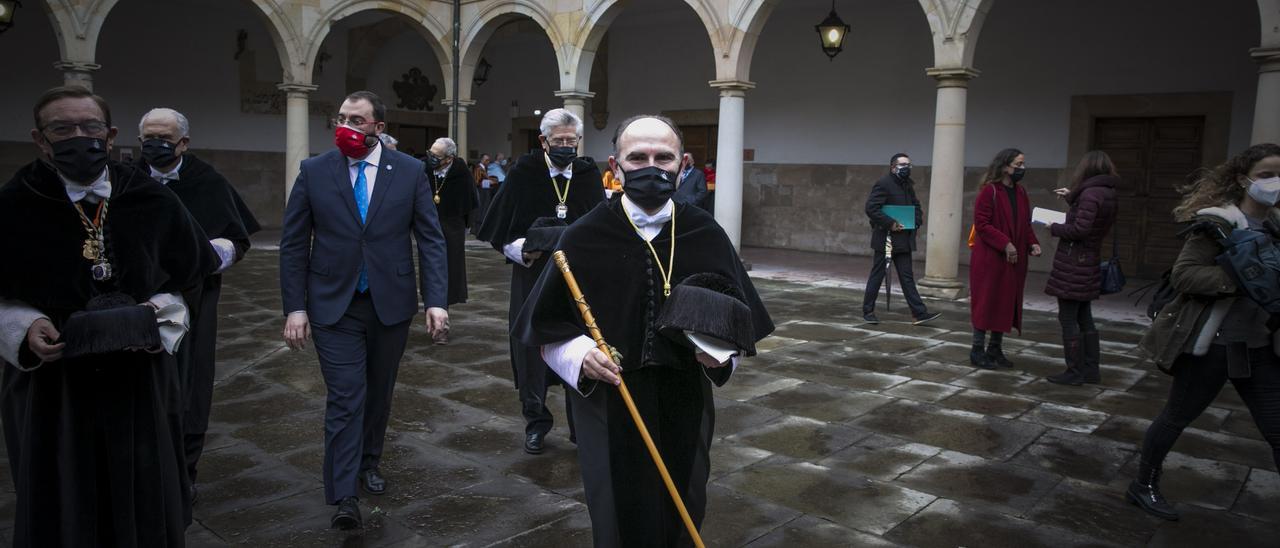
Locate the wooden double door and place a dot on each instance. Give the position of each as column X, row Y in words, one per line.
column 1154, row 156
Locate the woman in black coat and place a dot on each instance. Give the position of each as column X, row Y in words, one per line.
column 1076, row 278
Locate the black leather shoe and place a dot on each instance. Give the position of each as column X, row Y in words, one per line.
column 926, row 318
column 373, row 482
column 348, row 515
column 533, row 443
column 870, row 318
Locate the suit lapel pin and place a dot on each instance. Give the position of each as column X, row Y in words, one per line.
column 388, row 167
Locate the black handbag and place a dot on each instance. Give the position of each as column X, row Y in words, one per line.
column 1112, row 276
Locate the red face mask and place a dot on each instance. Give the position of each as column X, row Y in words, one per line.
column 351, row 142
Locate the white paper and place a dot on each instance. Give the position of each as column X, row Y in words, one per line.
column 719, row 350
column 1048, row 217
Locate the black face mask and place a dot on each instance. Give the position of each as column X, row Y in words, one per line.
column 561, row 157
column 433, row 162
column 159, row 153
column 649, row 187
column 80, row 159
column 1017, row 174
column 904, row 172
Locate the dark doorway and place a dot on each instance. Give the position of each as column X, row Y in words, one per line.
column 700, row 141
column 1154, row 157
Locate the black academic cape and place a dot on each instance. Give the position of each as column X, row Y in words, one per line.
column 458, row 194
column 526, row 194
column 616, row 272
column 94, row 442
column 221, row 213
column 458, row 198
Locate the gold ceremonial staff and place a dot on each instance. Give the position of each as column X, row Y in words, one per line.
column 588, row 318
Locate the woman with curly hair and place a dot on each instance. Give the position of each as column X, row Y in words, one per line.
column 1211, row 332
column 1002, row 241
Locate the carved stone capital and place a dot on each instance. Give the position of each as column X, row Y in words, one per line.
column 1268, row 59
column 76, row 66
column 292, row 89
column 732, row 88
column 952, row 77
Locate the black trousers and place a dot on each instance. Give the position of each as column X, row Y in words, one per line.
column 626, row 498
column 1076, row 317
column 530, row 372
column 906, row 280
column 359, row 359
column 1197, row 381
column 196, row 363
column 455, row 242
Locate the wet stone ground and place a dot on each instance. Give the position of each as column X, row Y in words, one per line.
column 838, row 434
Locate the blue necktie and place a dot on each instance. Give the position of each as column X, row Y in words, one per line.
column 362, row 205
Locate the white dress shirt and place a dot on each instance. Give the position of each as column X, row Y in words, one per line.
column 370, row 171
column 166, row 176
column 98, row 189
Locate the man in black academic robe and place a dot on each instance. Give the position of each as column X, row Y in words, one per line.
column 94, row 442
column 454, row 193
column 534, row 188
column 225, row 218
column 623, row 279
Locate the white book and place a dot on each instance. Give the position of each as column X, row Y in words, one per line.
column 1047, row 217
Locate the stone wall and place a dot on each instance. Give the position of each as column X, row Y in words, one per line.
column 821, row 207
column 255, row 175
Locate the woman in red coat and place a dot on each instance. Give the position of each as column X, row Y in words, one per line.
column 1003, row 239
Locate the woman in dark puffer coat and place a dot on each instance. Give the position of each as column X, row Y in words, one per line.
column 1076, row 278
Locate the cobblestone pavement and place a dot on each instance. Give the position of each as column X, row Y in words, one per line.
column 838, row 434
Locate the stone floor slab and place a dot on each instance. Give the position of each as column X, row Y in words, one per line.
column 956, row 430
column 800, row 438
column 988, row 403
column 855, row 502
column 1078, row 456
column 822, row 402
column 812, row 532
column 1009, row 487
column 948, row 524
column 1065, row 417
column 880, row 457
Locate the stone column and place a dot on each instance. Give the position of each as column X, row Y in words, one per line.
column 77, row 73
column 1266, row 108
column 461, row 137
column 946, row 186
column 297, row 131
column 728, row 201
column 575, row 101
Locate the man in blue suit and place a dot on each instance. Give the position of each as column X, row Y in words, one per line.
column 346, row 274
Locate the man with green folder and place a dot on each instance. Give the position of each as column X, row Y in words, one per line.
column 895, row 216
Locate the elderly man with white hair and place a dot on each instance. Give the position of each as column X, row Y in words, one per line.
column 549, row 188
column 454, row 192
column 227, row 221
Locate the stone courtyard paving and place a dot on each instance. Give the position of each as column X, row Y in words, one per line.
column 838, row 434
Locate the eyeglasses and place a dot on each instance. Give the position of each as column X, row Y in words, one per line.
column 92, row 128
column 563, row 142
column 902, row 165
column 354, row 121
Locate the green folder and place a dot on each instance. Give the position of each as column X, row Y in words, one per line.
column 904, row 214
